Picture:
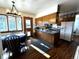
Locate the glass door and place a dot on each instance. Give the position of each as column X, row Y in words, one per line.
column 28, row 26
column 28, row 23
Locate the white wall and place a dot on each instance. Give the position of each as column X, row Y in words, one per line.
column 50, row 10
column 4, row 11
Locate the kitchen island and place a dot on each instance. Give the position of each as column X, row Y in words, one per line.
column 49, row 36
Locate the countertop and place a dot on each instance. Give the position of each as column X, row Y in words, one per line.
column 48, row 31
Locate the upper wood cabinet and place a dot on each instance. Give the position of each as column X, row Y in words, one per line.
column 51, row 18
column 66, row 12
column 39, row 21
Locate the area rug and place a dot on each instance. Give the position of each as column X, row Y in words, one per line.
column 44, row 46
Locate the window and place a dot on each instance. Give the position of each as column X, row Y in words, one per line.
column 12, row 23
column 28, row 23
column 3, row 23
column 19, row 23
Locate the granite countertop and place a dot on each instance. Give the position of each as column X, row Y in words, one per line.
column 48, row 31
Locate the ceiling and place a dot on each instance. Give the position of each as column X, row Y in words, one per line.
column 30, row 6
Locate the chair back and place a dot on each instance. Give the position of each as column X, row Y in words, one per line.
column 12, row 43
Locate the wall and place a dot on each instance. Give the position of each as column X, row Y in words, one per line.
column 1, row 49
column 47, row 11
column 4, row 11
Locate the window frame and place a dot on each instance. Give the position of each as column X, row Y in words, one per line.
column 21, row 23
column 8, row 24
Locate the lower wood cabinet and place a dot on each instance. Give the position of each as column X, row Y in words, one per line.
column 50, row 38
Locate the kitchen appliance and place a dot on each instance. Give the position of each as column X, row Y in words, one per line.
column 76, row 25
column 66, row 31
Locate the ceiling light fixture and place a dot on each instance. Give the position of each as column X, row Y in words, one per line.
column 13, row 10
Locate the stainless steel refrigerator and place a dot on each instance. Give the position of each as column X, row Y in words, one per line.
column 66, row 31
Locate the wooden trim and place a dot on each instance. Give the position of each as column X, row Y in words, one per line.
column 8, row 24
column 30, row 29
column 47, row 15
column 16, row 22
column 22, row 23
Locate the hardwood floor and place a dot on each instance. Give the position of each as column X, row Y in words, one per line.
column 63, row 50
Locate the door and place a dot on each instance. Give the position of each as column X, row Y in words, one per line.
column 68, row 31
column 28, row 28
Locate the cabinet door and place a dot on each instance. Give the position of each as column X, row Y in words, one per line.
column 47, row 37
column 52, row 39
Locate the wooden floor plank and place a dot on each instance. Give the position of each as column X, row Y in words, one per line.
column 62, row 50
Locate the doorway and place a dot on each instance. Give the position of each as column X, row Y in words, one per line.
column 28, row 26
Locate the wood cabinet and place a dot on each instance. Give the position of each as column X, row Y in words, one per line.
column 66, row 12
column 50, row 38
column 51, row 18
